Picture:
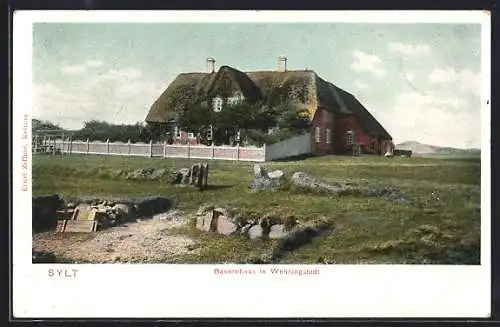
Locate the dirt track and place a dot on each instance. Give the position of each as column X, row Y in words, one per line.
column 144, row 240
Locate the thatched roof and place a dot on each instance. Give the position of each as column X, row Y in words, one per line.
column 303, row 88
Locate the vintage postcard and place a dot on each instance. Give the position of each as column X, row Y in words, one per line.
column 314, row 164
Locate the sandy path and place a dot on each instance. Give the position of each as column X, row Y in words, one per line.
column 144, row 240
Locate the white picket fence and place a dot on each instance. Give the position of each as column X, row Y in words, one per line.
column 291, row 147
column 236, row 153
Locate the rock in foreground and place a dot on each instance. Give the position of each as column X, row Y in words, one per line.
column 307, row 182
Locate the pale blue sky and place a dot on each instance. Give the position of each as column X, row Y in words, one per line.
column 422, row 81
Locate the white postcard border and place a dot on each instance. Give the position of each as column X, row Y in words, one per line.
column 163, row 291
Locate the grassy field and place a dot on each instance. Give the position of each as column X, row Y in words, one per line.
column 441, row 223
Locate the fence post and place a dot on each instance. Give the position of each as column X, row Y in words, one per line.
column 164, row 149
column 62, row 146
column 213, row 150
column 54, row 146
column 264, row 151
column 238, row 151
column 107, row 146
column 150, row 148
column 189, row 149
column 129, row 146
column 70, row 145
column 88, row 146
column 36, row 143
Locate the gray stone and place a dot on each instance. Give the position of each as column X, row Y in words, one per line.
column 204, row 209
column 158, row 173
column 277, row 231
column 204, row 222
column 264, row 183
column 124, row 212
column 244, row 229
column 269, row 220
column 225, row 225
column 305, row 181
column 222, row 211
column 259, row 171
column 185, row 174
column 276, row 174
column 255, row 232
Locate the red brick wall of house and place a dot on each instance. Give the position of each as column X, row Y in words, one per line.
column 324, row 120
column 371, row 145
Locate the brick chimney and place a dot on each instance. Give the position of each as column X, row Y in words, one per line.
column 282, row 63
column 210, row 65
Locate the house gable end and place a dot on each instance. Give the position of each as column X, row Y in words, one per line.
column 229, row 82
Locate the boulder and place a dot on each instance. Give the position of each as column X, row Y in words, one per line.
column 124, row 212
column 269, row 220
column 222, row 211
column 180, row 176
column 264, row 183
column 140, row 173
column 158, row 173
column 244, row 229
column 277, row 231
column 304, row 181
column 276, row 174
column 259, row 171
column 185, row 174
column 255, row 232
column 204, row 209
column 205, row 222
column 225, row 225
column 44, row 214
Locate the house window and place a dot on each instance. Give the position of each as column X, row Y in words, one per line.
column 191, row 135
column 236, row 99
column 217, row 104
column 349, row 138
column 317, row 134
column 328, row 136
column 177, row 132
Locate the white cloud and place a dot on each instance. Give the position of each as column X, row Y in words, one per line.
column 367, row 62
column 464, row 80
column 410, row 50
column 127, row 73
column 117, row 96
column 435, row 119
column 410, row 76
column 93, row 63
column 74, row 69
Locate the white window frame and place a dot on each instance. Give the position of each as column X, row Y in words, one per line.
column 349, row 138
column 217, row 104
column 177, row 132
column 236, row 99
column 328, row 135
column 317, row 134
column 190, row 135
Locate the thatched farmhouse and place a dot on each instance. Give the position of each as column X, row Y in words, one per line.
column 339, row 121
